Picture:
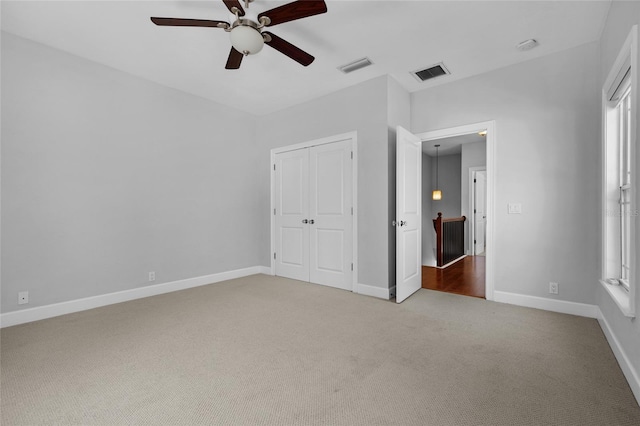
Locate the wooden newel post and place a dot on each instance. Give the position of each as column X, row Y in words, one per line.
column 437, row 225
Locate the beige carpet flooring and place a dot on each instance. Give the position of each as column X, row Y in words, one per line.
column 263, row 350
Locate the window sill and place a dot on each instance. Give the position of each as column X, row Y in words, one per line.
column 621, row 297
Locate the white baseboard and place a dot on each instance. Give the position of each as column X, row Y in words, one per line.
column 48, row 311
column 630, row 373
column 452, row 262
column 553, row 305
column 266, row 270
column 369, row 290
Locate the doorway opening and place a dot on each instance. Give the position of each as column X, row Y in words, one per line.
column 466, row 179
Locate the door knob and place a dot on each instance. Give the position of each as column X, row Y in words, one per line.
column 311, row 221
column 403, row 222
column 305, row 221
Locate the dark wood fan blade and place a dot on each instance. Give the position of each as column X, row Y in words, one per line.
column 292, row 11
column 235, row 59
column 234, row 3
column 289, row 49
column 177, row 22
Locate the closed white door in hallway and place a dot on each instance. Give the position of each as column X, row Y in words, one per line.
column 479, row 212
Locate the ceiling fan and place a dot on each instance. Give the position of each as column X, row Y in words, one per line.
column 248, row 36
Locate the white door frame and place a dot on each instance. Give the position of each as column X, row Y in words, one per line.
column 353, row 136
column 472, row 206
column 490, row 127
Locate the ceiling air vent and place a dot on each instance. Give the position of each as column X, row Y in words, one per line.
column 355, row 65
column 431, row 72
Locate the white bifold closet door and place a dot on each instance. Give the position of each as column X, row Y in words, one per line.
column 313, row 226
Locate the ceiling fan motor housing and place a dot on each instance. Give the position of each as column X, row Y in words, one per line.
column 246, row 38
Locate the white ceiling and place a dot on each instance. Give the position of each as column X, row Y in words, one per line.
column 451, row 145
column 470, row 37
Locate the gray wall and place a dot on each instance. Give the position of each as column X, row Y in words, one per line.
column 473, row 155
column 622, row 16
column 428, row 232
column 106, row 177
column 449, row 183
column 551, row 172
column 362, row 108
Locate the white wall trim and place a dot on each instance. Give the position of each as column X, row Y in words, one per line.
column 263, row 270
column 490, row 127
column 630, row 373
column 452, row 262
column 369, row 290
column 48, row 311
column 553, row 305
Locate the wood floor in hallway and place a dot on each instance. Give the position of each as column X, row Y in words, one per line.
column 464, row 277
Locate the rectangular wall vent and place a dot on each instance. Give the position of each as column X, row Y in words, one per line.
column 431, row 72
column 355, row 65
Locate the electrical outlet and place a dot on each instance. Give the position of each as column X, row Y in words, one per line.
column 23, row 297
column 514, row 208
column 152, row 276
column 553, row 288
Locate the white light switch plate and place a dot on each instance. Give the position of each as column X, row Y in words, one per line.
column 514, row 208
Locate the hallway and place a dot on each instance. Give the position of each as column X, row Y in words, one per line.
column 465, row 277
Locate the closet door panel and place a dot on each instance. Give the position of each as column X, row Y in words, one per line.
column 292, row 210
column 330, row 202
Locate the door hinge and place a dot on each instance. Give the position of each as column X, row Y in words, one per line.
column 352, row 266
column 274, row 167
column 474, row 211
column 274, row 256
column 274, row 212
column 474, row 242
column 351, row 211
column 352, row 155
column 474, row 181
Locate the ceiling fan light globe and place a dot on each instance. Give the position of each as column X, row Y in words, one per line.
column 246, row 40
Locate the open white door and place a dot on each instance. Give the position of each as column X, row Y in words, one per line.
column 408, row 214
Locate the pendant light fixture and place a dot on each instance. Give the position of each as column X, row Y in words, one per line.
column 436, row 194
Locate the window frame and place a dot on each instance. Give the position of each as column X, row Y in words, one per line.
column 626, row 186
column 619, row 190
